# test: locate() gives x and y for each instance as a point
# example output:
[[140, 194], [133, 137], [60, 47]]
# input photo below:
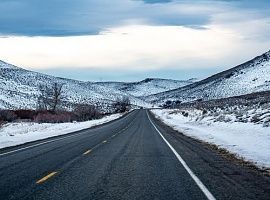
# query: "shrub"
[[86, 112], [1, 123], [121, 105], [26, 114], [204, 112], [255, 119], [7, 115], [185, 114], [48, 117]]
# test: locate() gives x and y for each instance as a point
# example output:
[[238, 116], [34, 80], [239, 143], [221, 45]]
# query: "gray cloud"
[[84, 17], [235, 29]]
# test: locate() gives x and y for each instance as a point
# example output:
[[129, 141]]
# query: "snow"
[[7, 65], [19, 89], [252, 76], [13, 134], [247, 140], [147, 86]]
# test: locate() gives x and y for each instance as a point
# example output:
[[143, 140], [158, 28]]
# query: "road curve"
[[134, 157]]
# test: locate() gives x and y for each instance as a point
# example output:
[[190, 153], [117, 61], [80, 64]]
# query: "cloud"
[[89, 17], [136, 47], [133, 35], [84, 17]]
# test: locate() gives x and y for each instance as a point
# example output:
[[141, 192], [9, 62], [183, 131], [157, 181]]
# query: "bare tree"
[[51, 97], [121, 105], [85, 112]]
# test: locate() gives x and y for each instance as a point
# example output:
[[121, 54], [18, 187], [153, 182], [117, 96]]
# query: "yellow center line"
[[46, 177], [87, 152]]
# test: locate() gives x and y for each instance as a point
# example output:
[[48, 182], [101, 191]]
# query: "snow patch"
[[13, 134], [247, 140]]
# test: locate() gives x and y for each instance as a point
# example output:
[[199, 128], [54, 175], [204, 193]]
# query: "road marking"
[[62, 138], [46, 178], [113, 135], [35, 145], [87, 152], [104, 141], [203, 188]]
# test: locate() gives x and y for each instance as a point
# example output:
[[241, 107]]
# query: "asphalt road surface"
[[134, 157]]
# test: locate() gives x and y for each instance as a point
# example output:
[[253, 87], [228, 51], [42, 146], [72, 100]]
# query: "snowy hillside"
[[147, 87], [252, 76], [19, 89]]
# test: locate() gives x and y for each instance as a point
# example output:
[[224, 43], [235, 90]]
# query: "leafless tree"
[[85, 112], [121, 105], [51, 97]]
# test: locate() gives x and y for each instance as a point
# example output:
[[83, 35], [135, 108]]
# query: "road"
[[134, 157]]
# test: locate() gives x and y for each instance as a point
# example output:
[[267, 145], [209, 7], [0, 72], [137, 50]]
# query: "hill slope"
[[147, 86], [252, 76], [19, 89]]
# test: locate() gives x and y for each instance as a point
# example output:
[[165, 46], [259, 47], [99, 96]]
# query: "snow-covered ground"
[[13, 134], [252, 76], [247, 140]]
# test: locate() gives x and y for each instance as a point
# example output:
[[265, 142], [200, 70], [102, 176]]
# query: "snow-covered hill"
[[252, 76], [147, 86], [19, 89]]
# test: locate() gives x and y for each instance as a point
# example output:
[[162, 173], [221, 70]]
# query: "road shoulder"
[[215, 169]]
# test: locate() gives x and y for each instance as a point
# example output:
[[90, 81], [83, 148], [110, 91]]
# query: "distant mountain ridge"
[[19, 89], [249, 77], [147, 86]]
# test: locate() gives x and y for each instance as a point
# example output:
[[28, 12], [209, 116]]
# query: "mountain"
[[4, 65], [147, 86], [19, 88], [252, 76]]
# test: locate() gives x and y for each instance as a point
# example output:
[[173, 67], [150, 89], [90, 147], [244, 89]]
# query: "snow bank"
[[248, 140], [13, 134]]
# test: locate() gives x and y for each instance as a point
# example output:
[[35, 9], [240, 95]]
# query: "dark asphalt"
[[124, 159]]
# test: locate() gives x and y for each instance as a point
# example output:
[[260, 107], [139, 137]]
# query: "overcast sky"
[[132, 39]]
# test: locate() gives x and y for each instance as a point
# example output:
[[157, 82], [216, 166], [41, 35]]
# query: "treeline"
[[51, 108]]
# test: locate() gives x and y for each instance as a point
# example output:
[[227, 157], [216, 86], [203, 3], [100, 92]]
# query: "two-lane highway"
[[135, 157]]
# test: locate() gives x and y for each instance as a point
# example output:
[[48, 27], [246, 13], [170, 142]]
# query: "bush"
[[185, 114], [7, 115], [26, 114], [1, 123], [121, 105], [81, 113], [204, 112], [255, 119], [86, 112], [48, 117]]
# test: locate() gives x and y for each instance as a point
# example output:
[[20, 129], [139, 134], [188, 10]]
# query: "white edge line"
[[203, 188], [62, 138], [35, 145]]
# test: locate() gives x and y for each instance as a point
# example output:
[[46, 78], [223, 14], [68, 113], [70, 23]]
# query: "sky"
[[129, 40]]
